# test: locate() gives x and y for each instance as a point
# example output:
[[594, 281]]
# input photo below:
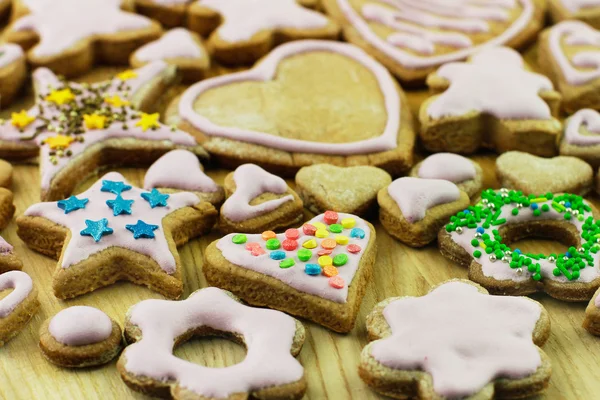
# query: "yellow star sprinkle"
[[59, 142], [94, 121], [116, 101], [21, 119], [125, 75], [60, 97], [148, 121]]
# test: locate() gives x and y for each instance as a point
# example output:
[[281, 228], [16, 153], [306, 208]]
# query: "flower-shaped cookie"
[[455, 342]]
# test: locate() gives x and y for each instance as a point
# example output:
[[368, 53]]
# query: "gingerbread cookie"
[[70, 36], [319, 272], [114, 231], [478, 238], [8, 259], [587, 11], [581, 136], [490, 347], [79, 337], [178, 47], [465, 173], [569, 54], [258, 201], [413, 38], [180, 170], [492, 101], [19, 306], [272, 339], [13, 71], [592, 315], [279, 114], [83, 127], [351, 190], [413, 209], [531, 174]]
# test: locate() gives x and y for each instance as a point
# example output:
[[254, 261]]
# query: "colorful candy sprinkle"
[[330, 217], [336, 228], [341, 239], [287, 263], [321, 233], [310, 244], [340, 259], [328, 244], [290, 244], [330, 270], [292, 234], [348, 223], [324, 252], [337, 282], [304, 254], [325, 260], [357, 233], [312, 269], [309, 229], [353, 248], [257, 251], [239, 239], [252, 245], [277, 255], [266, 235], [319, 225], [273, 244]]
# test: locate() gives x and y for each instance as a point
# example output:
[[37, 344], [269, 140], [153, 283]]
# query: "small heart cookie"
[[587, 11], [19, 306], [581, 136], [350, 190], [13, 70], [8, 259], [532, 174]]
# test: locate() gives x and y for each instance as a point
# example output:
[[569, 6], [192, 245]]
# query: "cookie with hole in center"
[[480, 240], [17, 307], [79, 337]]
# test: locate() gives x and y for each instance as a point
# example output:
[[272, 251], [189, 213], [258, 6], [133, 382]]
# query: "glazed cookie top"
[[21, 284], [268, 335], [179, 169], [579, 67], [113, 213], [243, 19], [320, 259], [250, 182], [80, 326], [415, 196], [433, 32], [485, 337], [488, 83], [9, 53], [583, 128], [447, 166], [476, 230], [176, 43], [266, 70], [61, 24]]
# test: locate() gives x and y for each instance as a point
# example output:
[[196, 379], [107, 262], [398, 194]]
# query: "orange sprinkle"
[[337, 282], [330, 270], [266, 235], [328, 244]]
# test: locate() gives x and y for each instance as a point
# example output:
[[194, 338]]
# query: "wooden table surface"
[[330, 359]]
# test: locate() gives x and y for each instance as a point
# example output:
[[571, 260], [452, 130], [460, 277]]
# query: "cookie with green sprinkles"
[[319, 271], [480, 236]]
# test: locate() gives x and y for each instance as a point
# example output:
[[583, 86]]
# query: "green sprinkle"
[[336, 228], [304, 254], [545, 208], [537, 212], [474, 242], [239, 238], [287, 263], [556, 272], [567, 216], [515, 211], [273, 244], [340, 260], [477, 254]]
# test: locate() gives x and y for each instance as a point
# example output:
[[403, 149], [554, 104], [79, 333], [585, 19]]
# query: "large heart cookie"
[[412, 38], [318, 272], [531, 174], [350, 190], [307, 102]]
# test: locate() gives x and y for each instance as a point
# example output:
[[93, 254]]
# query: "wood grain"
[[330, 359]]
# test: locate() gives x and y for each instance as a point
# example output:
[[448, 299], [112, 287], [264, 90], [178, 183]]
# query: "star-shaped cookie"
[[82, 127], [72, 34], [96, 246]]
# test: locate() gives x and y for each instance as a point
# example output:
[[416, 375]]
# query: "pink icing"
[[81, 247], [295, 276], [484, 338], [60, 24], [447, 166], [415, 196], [576, 33], [423, 21], [5, 247], [176, 43], [80, 326], [9, 53], [577, 5], [501, 271], [266, 70], [21, 284], [268, 335], [588, 118], [250, 182], [242, 19], [493, 82], [179, 169]]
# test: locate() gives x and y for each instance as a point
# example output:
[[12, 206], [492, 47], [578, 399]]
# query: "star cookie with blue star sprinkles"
[[80, 128], [115, 231]]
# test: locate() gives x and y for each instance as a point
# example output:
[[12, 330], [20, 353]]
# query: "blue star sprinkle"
[[142, 230], [119, 205], [116, 187], [96, 229], [72, 204], [155, 198]]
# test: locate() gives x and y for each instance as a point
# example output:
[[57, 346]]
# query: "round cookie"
[[79, 337], [465, 173]]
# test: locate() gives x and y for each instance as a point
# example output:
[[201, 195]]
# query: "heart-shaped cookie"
[[307, 102], [350, 190], [531, 174], [584, 10], [318, 272]]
